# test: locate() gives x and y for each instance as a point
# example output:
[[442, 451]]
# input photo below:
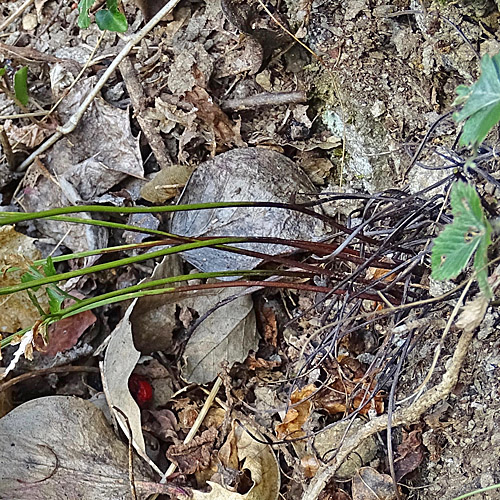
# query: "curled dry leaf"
[[59, 447], [224, 131], [297, 415], [166, 183], [196, 455], [119, 363], [257, 458], [368, 484], [410, 453], [473, 313]]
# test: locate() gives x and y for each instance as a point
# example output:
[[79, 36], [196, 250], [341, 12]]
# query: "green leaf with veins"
[[469, 232], [83, 13], [481, 110], [111, 19]]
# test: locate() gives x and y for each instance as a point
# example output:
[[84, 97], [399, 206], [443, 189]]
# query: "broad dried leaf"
[[246, 174], [225, 337], [368, 484], [119, 363], [59, 447], [260, 460], [17, 311]]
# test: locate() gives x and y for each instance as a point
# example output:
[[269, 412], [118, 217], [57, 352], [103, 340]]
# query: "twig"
[[47, 371], [406, 416], [264, 99], [198, 422], [75, 118], [138, 100]]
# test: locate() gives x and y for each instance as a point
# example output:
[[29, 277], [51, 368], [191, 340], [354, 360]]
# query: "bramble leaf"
[[470, 231], [21, 85], [481, 110]]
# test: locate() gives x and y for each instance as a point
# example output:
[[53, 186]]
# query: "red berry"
[[141, 390]]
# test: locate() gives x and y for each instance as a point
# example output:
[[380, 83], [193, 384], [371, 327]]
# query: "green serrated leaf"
[[469, 230], [21, 85], [111, 19], [56, 299], [481, 263], [48, 267], [83, 13], [31, 275], [482, 103]]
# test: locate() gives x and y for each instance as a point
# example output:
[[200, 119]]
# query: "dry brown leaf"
[[166, 184], [309, 465], [119, 363], [260, 460], [296, 417], [225, 337], [410, 453], [226, 133], [17, 311], [338, 397], [473, 313], [30, 135], [368, 484], [64, 334], [196, 455]]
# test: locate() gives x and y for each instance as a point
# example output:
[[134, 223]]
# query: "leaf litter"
[[191, 66]]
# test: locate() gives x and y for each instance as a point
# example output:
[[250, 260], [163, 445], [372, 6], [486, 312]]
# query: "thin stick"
[[47, 371], [264, 99], [73, 120], [198, 422]]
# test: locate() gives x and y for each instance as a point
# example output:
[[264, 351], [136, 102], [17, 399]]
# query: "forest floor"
[[350, 120]]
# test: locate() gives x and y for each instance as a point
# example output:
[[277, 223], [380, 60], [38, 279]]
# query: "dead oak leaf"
[[411, 453], [226, 133], [196, 455], [297, 415]]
